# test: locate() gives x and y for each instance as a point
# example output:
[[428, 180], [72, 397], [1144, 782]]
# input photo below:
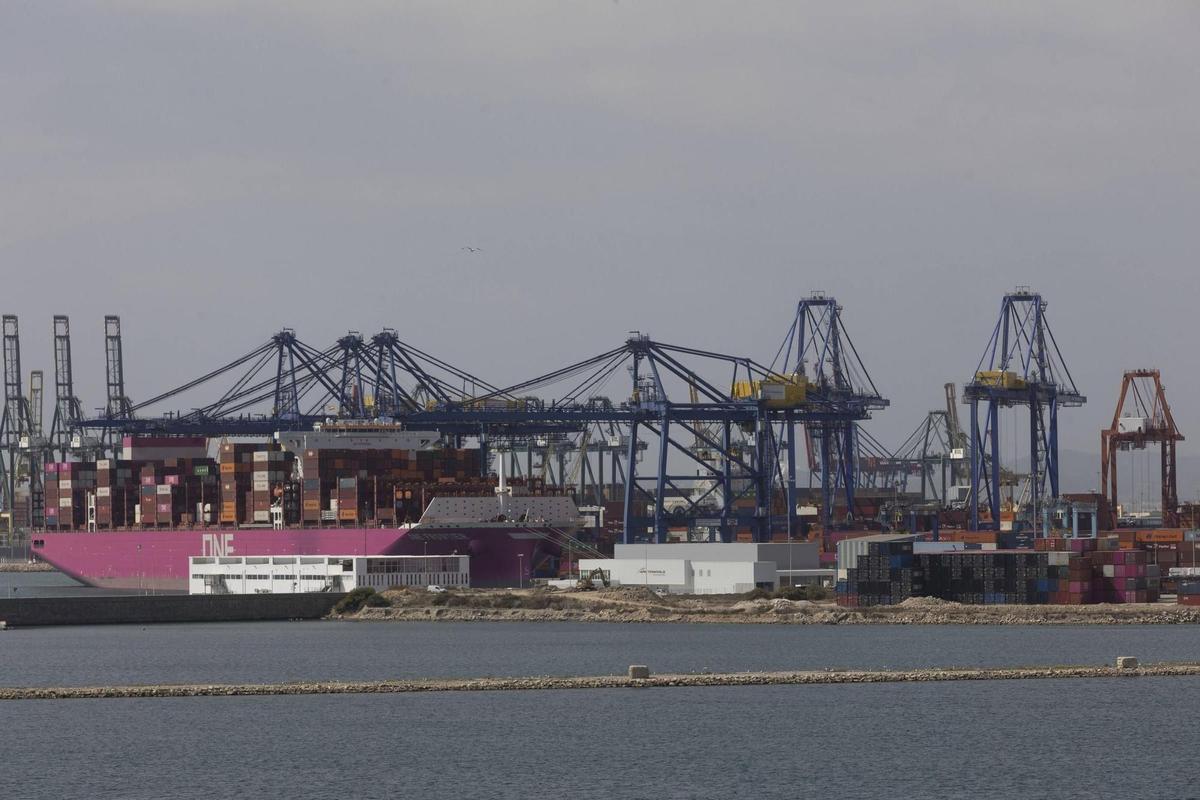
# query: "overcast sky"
[[213, 172]]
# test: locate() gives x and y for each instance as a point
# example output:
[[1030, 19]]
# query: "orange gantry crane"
[[1142, 418]]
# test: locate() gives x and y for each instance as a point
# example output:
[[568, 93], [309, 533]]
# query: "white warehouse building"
[[684, 576], [291, 574], [712, 567]]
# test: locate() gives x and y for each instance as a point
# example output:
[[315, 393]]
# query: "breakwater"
[[814, 677]]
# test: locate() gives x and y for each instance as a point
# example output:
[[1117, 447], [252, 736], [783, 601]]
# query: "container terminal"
[[374, 447]]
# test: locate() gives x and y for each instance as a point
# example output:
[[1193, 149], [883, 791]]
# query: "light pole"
[[521, 570]]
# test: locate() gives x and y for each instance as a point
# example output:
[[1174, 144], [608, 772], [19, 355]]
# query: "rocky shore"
[[597, 682], [642, 605]]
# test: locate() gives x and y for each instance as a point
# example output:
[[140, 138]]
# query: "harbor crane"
[[818, 355], [1021, 366], [1142, 417]]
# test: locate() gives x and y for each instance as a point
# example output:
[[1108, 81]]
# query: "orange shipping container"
[[1160, 535]]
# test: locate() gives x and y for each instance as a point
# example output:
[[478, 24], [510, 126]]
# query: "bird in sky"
[[473, 249]]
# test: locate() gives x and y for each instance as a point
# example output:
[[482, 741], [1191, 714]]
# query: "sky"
[[215, 171]]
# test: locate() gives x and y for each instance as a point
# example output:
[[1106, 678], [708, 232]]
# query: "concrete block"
[[1127, 662], [639, 672]]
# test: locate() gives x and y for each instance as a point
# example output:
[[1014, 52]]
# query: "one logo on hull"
[[218, 545]]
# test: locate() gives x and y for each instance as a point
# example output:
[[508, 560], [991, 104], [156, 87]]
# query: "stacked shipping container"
[[325, 486], [356, 486], [66, 487], [177, 491], [1063, 571], [1187, 593], [116, 493], [235, 462]]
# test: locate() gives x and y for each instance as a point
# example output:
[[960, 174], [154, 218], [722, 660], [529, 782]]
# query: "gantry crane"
[[1142, 417], [68, 412], [1020, 367], [817, 353], [19, 457]]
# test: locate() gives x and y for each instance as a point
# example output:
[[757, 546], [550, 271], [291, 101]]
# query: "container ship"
[[132, 522]]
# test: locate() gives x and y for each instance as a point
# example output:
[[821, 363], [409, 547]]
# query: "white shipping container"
[[262, 486], [163, 488], [261, 475], [104, 491], [262, 516], [65, 483], [64, 502], [104, 463]]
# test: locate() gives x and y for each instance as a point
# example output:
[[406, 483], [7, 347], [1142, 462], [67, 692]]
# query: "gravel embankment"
[[639, 605], [25, 566], [596, 682]]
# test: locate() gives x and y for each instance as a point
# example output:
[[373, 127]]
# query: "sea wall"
[[599, 682], [145, 609]]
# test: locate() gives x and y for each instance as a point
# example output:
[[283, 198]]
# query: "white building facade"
[[291, 574], [684, 576]]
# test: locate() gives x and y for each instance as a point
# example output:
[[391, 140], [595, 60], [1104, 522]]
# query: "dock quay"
[[21, 612]]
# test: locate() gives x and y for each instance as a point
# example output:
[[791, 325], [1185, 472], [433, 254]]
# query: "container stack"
[[1062, 571], [351, 487], [66, 486], [1123, 576], [50, 493], [884, 575], [116, 493], [172, 491], [236, 465], [889, 575], [272, 468], [347, 500], [1115, 575], [1187, 593]]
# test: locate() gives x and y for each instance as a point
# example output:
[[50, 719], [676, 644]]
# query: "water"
[[998, 739], [1031, 739], [332, 650]]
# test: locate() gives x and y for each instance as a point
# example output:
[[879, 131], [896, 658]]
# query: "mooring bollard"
[[639, 672], [1127, 662]]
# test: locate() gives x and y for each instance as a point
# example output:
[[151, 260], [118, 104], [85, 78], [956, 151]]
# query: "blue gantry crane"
[[721, 428], [1021, 366], [839, 394]]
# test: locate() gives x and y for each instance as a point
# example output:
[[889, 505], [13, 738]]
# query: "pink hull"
[[157, 560]]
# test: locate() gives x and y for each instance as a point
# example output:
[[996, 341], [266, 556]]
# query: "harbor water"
[[1060, 738], [986, 739]]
